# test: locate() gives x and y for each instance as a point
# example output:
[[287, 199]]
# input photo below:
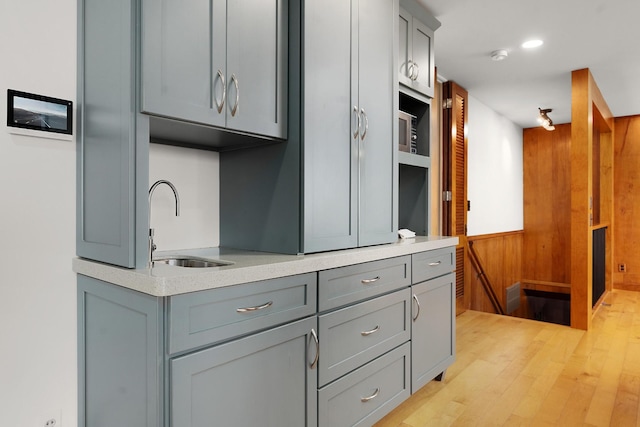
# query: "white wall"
[[196, 176], [495, 186], [37, 222]]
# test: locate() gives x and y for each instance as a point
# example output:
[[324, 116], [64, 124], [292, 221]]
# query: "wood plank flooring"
[[517, 372]]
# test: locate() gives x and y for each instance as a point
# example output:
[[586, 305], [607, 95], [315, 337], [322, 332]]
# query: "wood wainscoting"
[[500, 255]]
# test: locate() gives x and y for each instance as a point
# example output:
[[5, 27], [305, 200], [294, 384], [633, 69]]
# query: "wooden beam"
[[590, 116]]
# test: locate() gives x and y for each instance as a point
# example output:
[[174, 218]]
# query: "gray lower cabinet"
[[368, 393], [217, 63], [265, 379], [433, 330], [213, 357]]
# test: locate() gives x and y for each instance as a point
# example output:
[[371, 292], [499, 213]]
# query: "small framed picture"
[[39, 112]]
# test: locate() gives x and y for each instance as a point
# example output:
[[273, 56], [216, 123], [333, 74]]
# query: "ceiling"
[[602, 35]]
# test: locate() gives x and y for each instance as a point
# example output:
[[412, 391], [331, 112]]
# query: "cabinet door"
[[405, 47], [433, 342], [423, 58], [184, 59], [257, 47], [378, 102], [330, 154], [261, 380]]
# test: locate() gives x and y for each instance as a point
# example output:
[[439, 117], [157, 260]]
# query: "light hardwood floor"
[[517, 372]]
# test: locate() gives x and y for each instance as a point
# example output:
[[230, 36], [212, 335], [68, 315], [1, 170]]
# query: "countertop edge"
[[168, 281]]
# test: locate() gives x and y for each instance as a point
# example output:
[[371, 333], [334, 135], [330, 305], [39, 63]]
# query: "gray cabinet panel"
[[202, 318], [257, 57], [261, 380], [182, 42], [330, 151], [346, 285], [120, 364], [111, 166], [352, 336], [423, 57], [429, 264], [378, 98], [367, 394], [433, 343], [405, 47]]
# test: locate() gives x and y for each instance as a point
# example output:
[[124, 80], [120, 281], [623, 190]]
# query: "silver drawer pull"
[[415, 298], [314, 336], [435, 264], [373, 396], [367, 281], [255, 308], [372, 331]]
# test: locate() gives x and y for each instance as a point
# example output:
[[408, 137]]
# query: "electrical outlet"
[[50, 423], [622, 268]]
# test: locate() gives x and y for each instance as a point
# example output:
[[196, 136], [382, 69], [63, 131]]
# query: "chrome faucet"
[[152, 246]]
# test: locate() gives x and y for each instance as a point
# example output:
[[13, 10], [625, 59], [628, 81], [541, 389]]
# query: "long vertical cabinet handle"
[[220, 106], [234, 110], [356, 117], [365, 119], [314, 335], [415, 298]]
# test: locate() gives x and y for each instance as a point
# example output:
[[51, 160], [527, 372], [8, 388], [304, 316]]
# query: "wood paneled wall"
[[501, 258], [626, 232], [547, 205]]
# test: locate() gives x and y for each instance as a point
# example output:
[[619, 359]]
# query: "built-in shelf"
[[416, 160]]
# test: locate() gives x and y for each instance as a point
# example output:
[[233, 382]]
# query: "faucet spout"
[[152, 246]]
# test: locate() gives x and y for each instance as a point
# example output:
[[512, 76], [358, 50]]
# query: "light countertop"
[[164, 280]]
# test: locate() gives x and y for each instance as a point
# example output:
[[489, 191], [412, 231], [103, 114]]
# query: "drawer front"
[[202, 318], [430, 264], [346, 285], [352, 336], [367, 394]]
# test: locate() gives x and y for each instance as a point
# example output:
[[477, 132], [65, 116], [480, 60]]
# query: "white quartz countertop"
[[165, 280]]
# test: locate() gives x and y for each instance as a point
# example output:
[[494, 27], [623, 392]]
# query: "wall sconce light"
[[544, 119]]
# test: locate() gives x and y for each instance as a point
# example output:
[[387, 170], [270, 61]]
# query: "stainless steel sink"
[[190, 262]]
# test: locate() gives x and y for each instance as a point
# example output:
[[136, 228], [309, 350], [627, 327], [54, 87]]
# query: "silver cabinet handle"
[[234, 110], [415, 298], [314, 335], [220, 106], [410, 69], [367, 281], [417, 68], [435, 264], [372, 331], [357, 120], [255, 308], [366, 124], [373, 396]]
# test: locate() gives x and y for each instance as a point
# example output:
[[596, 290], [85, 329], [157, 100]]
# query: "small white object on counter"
[[405, 233]]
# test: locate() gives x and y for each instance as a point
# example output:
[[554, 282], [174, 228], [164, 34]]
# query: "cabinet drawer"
[[352, 336], [430, 264], [202, 318], [367, 394], [345, 285]]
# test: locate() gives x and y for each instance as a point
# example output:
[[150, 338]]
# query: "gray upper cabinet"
[[416, 48], [217, 63], [349, 102]]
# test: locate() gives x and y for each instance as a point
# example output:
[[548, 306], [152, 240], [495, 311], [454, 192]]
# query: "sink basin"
[[190, 262]]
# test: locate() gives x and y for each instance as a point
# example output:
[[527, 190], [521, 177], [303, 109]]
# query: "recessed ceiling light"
[[530, 44]]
